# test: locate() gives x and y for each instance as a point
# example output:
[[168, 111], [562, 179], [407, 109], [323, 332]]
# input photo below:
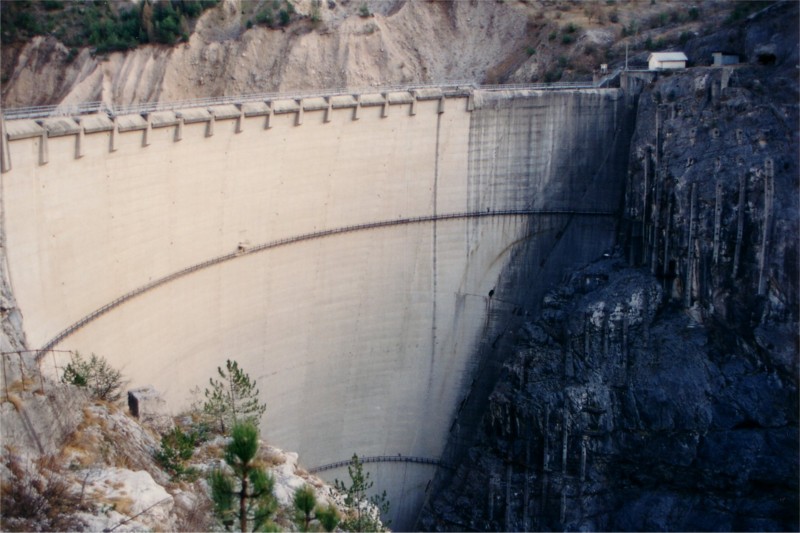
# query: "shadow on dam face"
[[378, 333]]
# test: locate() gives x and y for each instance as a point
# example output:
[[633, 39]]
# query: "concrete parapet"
[[398, 98], [58, 126], [192, 115], [131, 123], [255, 109], [428, 94], [225, 112], [95, 123], [342, 101], [314, 104], [162, 119], [22, 129], [285, 106], [372, 99]]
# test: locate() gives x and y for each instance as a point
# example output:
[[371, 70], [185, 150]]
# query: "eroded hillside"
[[239, 47]]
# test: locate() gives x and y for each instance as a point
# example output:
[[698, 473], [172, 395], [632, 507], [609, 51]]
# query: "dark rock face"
[[658, 390]]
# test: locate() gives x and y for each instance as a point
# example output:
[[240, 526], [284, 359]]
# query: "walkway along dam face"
[[360, 256]]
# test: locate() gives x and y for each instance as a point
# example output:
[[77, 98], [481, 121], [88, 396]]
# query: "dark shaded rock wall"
[[658, 389]]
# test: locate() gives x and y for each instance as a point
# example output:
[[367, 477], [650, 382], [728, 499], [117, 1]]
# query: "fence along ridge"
[[298, 238]]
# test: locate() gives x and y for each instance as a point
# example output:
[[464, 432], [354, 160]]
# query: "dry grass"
[[37, 498], [23, 385], [122, 504], [15, 401]]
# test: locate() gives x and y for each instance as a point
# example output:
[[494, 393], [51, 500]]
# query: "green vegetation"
[[631, 29], [101, 380], [316, 14], [553, 75], [233, 398], [107, 26], [277, 13], [328, 516], [742, 9], [247, 494], [363, 11], [304, 503], [360, 517], [177, 447], [306, 511]]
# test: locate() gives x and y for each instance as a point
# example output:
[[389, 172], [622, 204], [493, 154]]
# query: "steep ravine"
[[658, 389]]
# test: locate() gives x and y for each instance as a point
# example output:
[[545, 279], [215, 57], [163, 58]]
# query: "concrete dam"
[[358, 255]]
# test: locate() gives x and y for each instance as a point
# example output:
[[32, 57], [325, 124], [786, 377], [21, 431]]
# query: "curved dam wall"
[[356, 255]]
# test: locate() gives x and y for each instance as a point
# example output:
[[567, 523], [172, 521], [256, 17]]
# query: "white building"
[[666, 60]]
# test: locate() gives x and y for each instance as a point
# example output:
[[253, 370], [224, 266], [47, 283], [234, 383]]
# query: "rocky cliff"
[[659, 388]]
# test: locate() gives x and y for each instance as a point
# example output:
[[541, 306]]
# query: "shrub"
[[316, 15], [567, 38], [177, 447], [328, 517], [363, 11], [96, 375], [284, 17], [553, 75], [530, 50]]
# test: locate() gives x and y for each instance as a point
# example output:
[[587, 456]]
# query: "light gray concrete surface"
[[362, 342]]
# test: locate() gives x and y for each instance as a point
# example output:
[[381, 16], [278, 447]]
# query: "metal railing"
[[381, 459], [299, 238], [63, 110]]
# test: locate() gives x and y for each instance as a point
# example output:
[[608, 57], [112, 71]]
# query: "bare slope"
[[335, 46]]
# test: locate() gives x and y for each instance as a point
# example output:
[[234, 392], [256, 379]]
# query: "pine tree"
[[233, 398], [361, 515], [304, 502], [328, 516], [250, 486]]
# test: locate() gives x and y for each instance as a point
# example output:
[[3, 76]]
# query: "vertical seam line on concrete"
[[434, 244]]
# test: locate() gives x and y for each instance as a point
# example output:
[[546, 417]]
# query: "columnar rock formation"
[[658, 389]]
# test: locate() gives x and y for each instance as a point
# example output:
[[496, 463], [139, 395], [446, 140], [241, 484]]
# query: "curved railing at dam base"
[[119, 110], [380, 459], [243, 251]]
